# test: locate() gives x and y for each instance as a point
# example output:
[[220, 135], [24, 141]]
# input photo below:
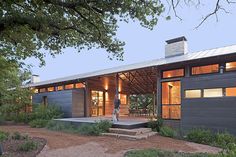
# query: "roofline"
[[129, 67]]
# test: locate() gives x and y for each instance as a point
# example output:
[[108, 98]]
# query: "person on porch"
[[116, 108]]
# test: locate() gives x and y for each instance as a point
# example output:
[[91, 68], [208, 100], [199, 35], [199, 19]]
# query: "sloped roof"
[[157, 62]]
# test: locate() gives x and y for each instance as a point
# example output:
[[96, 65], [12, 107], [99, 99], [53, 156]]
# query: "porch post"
[[117, 84]]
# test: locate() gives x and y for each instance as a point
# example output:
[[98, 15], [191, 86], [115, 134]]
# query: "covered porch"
[[137, 90]]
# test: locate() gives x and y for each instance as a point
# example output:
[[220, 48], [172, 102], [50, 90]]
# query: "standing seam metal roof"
[[157, 62]]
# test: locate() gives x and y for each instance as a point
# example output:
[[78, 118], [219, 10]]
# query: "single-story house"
[[191, 90]]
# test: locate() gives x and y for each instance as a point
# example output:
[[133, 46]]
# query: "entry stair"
[[130, 134]]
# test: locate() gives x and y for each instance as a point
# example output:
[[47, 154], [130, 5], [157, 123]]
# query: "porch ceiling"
[[141, 81]]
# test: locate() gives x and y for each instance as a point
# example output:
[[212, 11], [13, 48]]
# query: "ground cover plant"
[[84, 129], [17, 144]]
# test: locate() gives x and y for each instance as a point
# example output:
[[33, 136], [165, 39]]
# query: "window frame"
[[201, 94], [191, 67], [171, 104], [162, 72], [227, 71], [223, 93]]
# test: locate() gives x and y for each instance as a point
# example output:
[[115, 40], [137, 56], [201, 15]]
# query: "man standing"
[[116, 107]]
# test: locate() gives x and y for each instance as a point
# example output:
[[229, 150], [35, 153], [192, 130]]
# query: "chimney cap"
[[176, 40]]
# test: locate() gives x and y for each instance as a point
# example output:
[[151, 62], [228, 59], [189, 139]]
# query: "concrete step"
[[131, 137], [137, 131]]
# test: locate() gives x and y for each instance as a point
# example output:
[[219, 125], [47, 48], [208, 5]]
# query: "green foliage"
[[201, 136], [155, 124], [53, 26], [167, 131], [3, 136], [46, 112], [141, 101], [207, 137], [16, 136], [2, 119], [84, 129], [89, 129], [104, 125], [28, 145], [162, 153], [38, 123]]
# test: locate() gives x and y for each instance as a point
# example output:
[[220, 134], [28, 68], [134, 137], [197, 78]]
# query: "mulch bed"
[[10, 147]]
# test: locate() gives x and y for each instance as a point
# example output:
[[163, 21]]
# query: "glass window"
[[79, 85], [123, 98], [69, 86], [41, 90], [59, 88], [171, 93], [50, 89], [230, 66], [206, 69], [171, 111], [171, 100], [216, 92], [35, 90], [196, 93], [173, 73], [230, 91]]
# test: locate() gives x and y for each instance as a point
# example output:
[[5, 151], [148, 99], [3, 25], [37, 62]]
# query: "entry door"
[[97, 104], [171, 100]]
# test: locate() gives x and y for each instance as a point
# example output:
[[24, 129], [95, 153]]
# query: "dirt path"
[[63, 144]]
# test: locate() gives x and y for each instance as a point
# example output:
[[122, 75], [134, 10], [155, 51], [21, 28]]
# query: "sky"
[[143, 44]]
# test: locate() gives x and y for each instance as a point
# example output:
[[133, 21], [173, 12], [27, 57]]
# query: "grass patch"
[[162, 153]]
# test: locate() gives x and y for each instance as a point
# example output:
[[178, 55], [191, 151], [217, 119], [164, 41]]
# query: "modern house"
[[191, 90]]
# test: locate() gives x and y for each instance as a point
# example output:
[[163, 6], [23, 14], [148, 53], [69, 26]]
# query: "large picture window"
[[206, 69], [171, 100], [173, 73], [231, 66]]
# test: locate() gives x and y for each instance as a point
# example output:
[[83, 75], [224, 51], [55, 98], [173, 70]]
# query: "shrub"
[[3, 136], [2, 120], [16, 136], [224, 139], [22, 117], [156, 124], [28, 145], [89, 129], [201, 136], [167, 131], [46, 112], [104, 125], [38, 123]]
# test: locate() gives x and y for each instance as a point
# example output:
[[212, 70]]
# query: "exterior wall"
[[67, 100], [78, 103], [218, 114]]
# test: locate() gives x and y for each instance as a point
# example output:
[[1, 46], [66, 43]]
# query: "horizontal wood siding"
[[218, 114], [63, 99]]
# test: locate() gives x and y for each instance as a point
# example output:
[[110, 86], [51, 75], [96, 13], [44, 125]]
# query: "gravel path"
[[68, 145]]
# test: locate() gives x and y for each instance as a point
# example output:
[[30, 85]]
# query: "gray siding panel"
[[218, 114], [63, 99]]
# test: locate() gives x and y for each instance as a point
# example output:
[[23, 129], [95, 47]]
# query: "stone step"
[[137, 131], [131, 137]]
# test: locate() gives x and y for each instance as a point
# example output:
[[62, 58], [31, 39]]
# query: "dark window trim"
[[193, 98], [170, 70], [191, 73], [170, 104]]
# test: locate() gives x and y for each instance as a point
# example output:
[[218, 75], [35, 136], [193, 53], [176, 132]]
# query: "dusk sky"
[[143, 44]]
